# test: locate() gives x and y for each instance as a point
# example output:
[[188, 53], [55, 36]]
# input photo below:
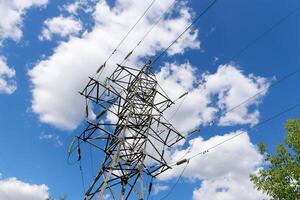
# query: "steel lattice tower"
[[134, 141]]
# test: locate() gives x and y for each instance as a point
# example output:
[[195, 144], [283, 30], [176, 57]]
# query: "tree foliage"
[[280, 179]]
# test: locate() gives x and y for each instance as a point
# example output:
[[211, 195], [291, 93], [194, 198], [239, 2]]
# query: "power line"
[[149, 31], [5, 195], [281, 20], [262, 91], [259, 124], [252, 97], [251, 44], [255, 95], [82, 175], [125, 37], [136, 117], [186, 160], [80, 165], [92, 160], [244, 102], [167, 50], [179, 106], [177, 181], [101, 68], [186, 29], [131, 29]]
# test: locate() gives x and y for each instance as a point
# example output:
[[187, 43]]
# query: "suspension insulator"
[[78, 153]]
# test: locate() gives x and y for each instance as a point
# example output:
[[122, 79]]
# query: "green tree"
[[280, 179]]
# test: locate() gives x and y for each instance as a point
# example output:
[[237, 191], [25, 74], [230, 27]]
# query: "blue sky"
[[33, 149]]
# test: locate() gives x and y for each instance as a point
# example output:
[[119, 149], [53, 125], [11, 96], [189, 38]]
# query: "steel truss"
[[135, 138]]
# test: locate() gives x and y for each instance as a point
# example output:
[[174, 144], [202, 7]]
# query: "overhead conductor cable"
[[100, 69], [186, 29], [278, 81], [263, 122], [149, 31]]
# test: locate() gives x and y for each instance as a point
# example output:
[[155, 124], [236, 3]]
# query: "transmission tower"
[[134, 141]]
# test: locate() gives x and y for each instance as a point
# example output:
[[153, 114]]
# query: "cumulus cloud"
[[178, 79], [11, 22], [228, 188], [66, 71], [211, 95], [232, 88], [14, 189], [7, 83], [229, 157], [60, 26], [57, 79], [224, 171], [80, 5], [11, 16]]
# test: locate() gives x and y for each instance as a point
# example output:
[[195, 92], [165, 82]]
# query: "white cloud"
[[228, 188], [227, 158], [57, 79], [211, 94], [157, 188], [72, 8], [7, 84], [11, 22], [14, 189], [80, 5], [54, 138], [11, 16], [233, 88], [178, 79], [60, 26], [223, 171]]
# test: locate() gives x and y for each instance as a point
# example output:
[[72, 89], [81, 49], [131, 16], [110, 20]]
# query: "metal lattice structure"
[[135, 138]]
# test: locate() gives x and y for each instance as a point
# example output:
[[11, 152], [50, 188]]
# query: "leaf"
[[280, 178], [262, 148]]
